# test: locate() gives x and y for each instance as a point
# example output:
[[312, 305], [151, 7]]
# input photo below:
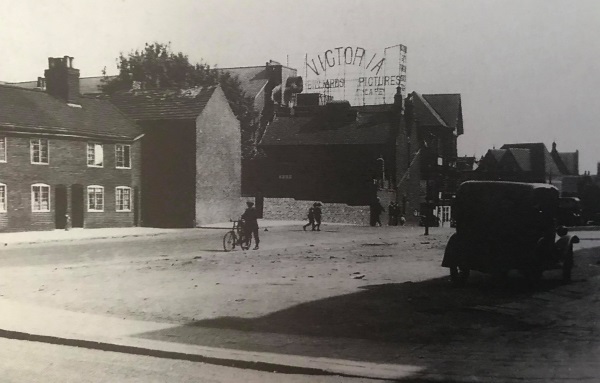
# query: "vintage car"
[[503, 226]]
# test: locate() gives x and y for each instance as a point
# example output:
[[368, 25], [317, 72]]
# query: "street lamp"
[[382, 170]]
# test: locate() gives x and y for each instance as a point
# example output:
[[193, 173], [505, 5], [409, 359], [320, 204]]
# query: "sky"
[[526, 69]]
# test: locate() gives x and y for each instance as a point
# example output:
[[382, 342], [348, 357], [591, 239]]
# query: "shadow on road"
[[388, 323]]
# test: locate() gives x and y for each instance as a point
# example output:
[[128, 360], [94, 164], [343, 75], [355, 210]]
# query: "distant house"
[[430, 156], [62, 155], [530, 162], [191, 155]]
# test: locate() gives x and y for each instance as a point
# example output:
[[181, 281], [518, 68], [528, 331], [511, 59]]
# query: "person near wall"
[[401, 220], [250, 218], [375, 212], [318, 215], [311, 218], [393, 212]]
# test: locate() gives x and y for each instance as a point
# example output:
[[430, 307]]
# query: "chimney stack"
[[62, 80], [398, 100]]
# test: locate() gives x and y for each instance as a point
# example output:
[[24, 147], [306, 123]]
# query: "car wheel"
[[459, 275]]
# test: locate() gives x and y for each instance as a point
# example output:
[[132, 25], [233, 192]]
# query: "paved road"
[[369, 294]]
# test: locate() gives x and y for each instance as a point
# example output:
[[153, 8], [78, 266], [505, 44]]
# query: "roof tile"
[[163, 104], [36, 109]]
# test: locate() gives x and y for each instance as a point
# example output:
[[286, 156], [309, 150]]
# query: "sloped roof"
[[522, 158], [424, 112], [163, 104], [447, 106], [36, 110], [439, 110], [541, 159], [569, 161], [551, 166], [316, 129], [497, 154]]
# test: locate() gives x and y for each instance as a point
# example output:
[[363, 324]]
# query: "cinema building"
[[346, 156]]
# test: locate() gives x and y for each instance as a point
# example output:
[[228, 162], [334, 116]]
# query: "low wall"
[[291, 209]]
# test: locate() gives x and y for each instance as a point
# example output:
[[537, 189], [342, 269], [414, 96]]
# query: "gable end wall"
[[218, 163]]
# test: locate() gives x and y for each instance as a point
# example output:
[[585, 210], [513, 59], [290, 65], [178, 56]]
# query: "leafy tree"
[[158, 67]]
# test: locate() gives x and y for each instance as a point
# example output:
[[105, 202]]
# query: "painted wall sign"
[[356, 74]]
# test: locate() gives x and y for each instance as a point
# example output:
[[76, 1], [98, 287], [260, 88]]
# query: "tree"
[[158, 67]]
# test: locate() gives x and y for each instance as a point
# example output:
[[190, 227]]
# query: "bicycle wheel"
[[229, 241]]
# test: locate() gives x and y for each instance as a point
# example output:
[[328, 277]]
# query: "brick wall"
[[291, 209], [67, 166]]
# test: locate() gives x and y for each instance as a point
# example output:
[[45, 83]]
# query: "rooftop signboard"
[[360, 75]]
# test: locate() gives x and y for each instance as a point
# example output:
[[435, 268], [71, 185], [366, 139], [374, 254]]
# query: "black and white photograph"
[[266, 191]]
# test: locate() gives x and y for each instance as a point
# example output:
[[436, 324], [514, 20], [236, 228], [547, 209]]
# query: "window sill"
[[95, 211], [121, 167], [95, 166], [123, 211], [40, 163]]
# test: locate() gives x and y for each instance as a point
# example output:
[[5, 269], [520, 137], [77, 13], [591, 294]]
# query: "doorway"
[[60, 206], [77, 205]]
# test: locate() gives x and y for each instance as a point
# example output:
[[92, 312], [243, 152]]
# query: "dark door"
[[77, 205], [60, 206], [260, 204]]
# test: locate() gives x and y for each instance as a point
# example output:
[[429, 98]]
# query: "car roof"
[[505, 185]]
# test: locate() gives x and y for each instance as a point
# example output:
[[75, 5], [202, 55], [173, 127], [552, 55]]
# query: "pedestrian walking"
[[318, 215], [375, 212], [311, 218], [391, 213], [250, 218]]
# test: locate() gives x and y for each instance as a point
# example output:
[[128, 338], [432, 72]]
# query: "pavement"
[[61, 327], [77, 234]]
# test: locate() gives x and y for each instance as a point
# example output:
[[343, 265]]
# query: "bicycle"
[[236, 237]]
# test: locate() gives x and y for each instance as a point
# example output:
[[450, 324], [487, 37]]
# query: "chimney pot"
[[62, 80]]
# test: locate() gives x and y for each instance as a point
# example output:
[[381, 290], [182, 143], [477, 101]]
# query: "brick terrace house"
[[257, 82], [191, 155], [61, 153]]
